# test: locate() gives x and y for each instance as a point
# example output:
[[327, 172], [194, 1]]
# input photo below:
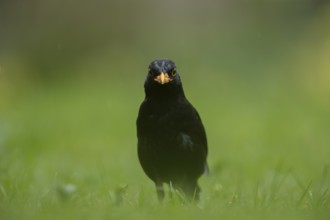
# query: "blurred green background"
[[71, 82]]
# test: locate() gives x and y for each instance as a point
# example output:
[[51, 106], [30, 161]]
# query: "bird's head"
[[162, 71], [163, 78]]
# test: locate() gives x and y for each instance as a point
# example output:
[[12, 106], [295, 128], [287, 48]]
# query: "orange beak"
[[163, 78]]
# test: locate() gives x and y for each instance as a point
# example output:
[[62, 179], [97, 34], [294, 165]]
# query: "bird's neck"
[[164, 93]]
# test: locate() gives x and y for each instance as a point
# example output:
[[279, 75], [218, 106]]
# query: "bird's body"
[[172, 146]]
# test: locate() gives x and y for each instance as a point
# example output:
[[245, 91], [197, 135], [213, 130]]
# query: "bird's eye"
[[150, 72], [173, 73]]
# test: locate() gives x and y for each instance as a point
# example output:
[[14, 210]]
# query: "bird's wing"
[[191, 137], [193, 126]]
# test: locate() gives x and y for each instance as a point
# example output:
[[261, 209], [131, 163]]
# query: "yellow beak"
[[163, 78]]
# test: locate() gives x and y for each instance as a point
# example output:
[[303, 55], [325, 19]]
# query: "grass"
[[68, 151]]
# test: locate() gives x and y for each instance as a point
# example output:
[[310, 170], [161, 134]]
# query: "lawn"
[[68, 151]]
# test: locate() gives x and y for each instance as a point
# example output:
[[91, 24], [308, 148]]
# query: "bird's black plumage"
[[172, 145]]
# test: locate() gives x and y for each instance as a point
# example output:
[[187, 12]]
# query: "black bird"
[[172, 145]]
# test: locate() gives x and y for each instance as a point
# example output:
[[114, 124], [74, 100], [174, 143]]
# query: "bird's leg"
[[191, 190], [171, 189], [160, 191], [197, 191]]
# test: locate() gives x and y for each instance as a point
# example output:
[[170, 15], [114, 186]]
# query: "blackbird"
[[172, 145]]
